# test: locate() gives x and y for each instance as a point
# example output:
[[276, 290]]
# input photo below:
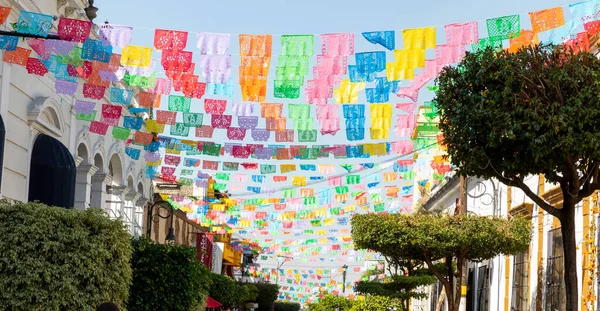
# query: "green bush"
[[286, 306], [167, 278], [267, 294], [226, 291], [53, 258], [377, 303], [332, 303]]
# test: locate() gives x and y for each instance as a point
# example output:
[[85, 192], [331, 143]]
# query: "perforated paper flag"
[[179, 103], [98, 128], [115, 35], [138, 56], [505, 27], [419, 38], [385, 38], [120, 133], [73, 29], [255, 58], [293, 65], [462, 33], [547, 19], [212, 43], [34, 23], [180, 129], [170, 40]]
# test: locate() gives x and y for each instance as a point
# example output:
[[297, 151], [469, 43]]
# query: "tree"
[[287, 306], [267, 294], [52, 258], [167, 277], [226, 291], [401, 286], [377, 303], [537, 111], [433, 237], [330, 303]]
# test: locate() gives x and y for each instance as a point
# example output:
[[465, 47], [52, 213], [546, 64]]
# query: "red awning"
[[211, 303]]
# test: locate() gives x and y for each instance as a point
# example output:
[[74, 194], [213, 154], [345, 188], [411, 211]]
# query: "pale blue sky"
[[308, 16], [305, 17]]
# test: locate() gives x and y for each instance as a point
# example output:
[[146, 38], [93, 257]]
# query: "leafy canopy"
[[435, 236], [377, 303], [53, 258], [330, 303], [536, 111], [167, 277], [286, 306]]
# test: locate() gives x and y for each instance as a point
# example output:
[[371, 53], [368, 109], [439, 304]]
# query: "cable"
[[339, 175]]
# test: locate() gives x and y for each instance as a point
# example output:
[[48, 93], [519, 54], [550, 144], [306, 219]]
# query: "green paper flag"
[[503, 28], [230, 166], [211, 149], [179, 103], [486, 42], [353, 179], [89, 117], [120, 133], [379, 207], [308, 136], [192, 119], [186, 172], [180, 129], [222, 176], [268, 169], [219, 186]]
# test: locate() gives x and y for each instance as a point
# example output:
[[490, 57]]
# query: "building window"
[[483, 288], [520, 287], [555, 282]]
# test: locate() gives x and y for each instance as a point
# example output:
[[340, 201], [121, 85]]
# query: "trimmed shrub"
[[286, 306], [267, 294], [167, 278], [52, 258]]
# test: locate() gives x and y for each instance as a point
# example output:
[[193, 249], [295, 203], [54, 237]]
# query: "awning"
[[52, 173], [211, 303]]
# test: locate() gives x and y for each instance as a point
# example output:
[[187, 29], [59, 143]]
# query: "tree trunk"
[[567, 228]]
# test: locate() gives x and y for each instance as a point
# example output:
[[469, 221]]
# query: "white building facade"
[[42, 132]]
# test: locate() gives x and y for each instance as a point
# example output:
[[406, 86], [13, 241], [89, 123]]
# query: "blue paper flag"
[[133, 153], [34, 23], [132, 123], [386, 38], [8, 43]]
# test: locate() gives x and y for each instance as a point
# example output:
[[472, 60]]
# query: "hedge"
[[286, 306], [167, 278], [53, 258]]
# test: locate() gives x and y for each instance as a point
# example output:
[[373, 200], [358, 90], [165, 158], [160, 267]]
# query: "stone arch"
[[98, 162], [130, 182], [82, 152], [140, 189], [115, 169], [45, 113]]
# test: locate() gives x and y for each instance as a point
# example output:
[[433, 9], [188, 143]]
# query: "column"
[[83, 185], [98, 197], [115, 203], [130, 199], [139, 215]]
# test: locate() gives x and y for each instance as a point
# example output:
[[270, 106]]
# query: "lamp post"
[[280, 265], [345, 267], [155, 218]]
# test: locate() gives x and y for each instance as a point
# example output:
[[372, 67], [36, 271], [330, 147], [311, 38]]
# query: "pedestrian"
[[108, 306]]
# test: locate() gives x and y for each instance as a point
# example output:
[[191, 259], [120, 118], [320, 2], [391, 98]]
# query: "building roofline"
[[452, 182]]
